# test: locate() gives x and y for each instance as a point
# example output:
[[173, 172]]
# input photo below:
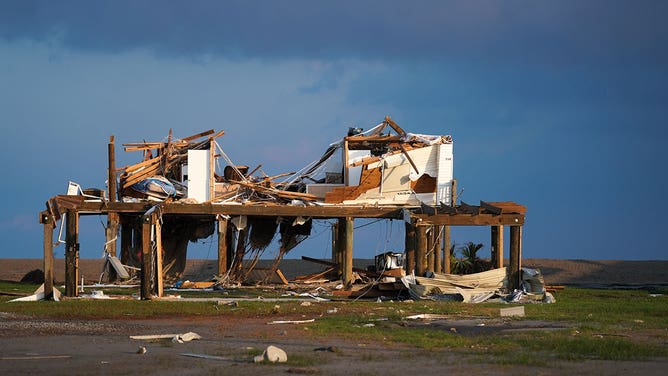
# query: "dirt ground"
[[103, 347], [82, 347], [556, 272]]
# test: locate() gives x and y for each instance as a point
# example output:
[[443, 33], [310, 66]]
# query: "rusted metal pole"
[[409, 248], [71, 253], [46, 219], [515, 262], [421, 250]]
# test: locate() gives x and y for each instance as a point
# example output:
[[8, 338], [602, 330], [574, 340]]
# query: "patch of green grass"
[[590, 346], [17, 288], [604, 324]]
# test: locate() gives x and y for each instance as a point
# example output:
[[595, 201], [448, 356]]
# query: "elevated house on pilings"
[[187, 189]]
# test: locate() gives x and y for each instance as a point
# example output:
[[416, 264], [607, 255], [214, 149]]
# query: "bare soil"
[[73, 347], [556, 272]]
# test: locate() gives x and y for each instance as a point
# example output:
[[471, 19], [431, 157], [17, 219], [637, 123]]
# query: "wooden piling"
[[347, 256], [47, 221], [438, 255], [515, 262], [71, 253], [447, 268], [340, 245], [155, 220], [409, 247], [421, 250], [147, 264], [111, 176], [431, 254], [497, 247], [222, 246], [335, 234]]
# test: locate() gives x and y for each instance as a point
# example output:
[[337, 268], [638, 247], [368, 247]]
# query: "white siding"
[[198, 175], [445, 174]]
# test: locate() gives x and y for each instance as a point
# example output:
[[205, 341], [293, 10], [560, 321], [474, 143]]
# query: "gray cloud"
[[515, 31]]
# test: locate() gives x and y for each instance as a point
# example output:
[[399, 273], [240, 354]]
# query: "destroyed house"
[[189, 188]]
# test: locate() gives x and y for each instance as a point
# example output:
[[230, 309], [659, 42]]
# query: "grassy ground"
[[584, 324]]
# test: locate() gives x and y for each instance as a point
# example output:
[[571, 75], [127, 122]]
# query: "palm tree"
[[470, 254], [469, 262]]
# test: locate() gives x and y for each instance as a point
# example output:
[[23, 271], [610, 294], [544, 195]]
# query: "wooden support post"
[[431, 256], [212, 168], [438, 255], [346, 178], [421, 251], [158, 255], [447, 268], [515, 262], [340, 245], [335, 234], [147, 264], [111, 235], [409, 248], [111, 182], [222, 246], [497, 247], [347, 270], [71, 253], [46, 219]]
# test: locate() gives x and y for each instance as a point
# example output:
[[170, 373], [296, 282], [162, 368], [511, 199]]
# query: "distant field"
[[556, 272]]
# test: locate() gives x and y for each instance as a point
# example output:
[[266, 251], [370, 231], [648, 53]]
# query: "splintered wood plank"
[[132, 168], [196, 136], [365, 161], [410, 160], [370, 179], [266, 275], [395, 126], [357, 139], [277, 192], [141, 175]]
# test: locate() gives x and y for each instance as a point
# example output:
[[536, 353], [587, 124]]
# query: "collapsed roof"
[[383, 166]]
